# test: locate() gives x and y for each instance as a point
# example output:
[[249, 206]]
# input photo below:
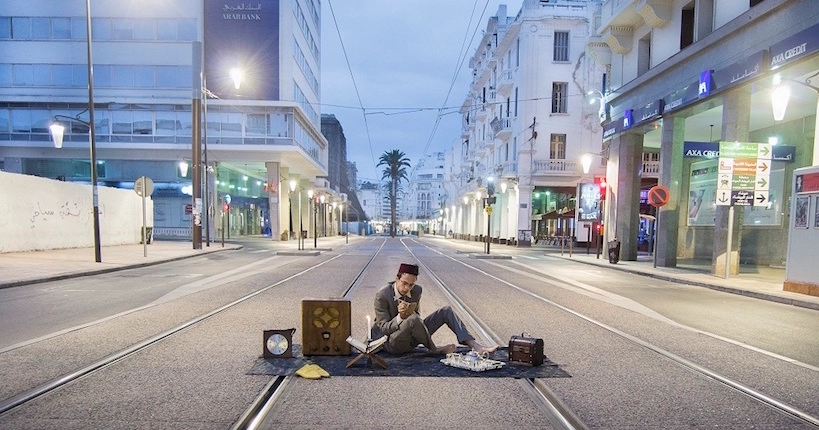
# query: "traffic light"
[[600, 181], [225, 207]]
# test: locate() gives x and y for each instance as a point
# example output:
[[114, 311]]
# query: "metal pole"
[[92, 137], [196, 146], [144, 218], [730, 239], [301, 239], [208, 201], [315, 225]]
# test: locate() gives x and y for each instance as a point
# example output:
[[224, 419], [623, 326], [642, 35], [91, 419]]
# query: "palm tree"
[[396, 163]]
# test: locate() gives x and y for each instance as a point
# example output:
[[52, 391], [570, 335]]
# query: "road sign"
[[144, 186], [744, 174], [658, 196], [188, 209]]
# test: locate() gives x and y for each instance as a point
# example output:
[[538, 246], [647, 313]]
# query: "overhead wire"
[[459, 64], [352, 77]]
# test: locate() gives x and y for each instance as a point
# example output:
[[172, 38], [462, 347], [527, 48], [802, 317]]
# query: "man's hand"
[[404, 309]]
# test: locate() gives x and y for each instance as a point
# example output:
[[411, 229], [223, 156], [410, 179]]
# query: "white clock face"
[[277, 344]]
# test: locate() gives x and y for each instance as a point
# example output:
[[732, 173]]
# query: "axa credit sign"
[[711, 150]]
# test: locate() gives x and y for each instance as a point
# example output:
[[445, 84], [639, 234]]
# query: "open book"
[[367, 348]]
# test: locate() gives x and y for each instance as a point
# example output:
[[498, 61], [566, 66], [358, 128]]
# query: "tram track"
[[558, 414], [65, 379], [548, 402], [739, 387]]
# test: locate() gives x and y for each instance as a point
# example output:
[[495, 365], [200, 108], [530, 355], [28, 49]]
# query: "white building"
[[527, 121], [425, 196], [147, 61], [687, 75]]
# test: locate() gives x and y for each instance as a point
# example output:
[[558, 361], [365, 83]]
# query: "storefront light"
[[779, 98]]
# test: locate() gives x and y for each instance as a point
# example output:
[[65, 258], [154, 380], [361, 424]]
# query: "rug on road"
[[418, 363]]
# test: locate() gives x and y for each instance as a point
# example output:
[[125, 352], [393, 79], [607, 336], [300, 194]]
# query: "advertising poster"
[[800, 219], [816, 213], [702, 193]]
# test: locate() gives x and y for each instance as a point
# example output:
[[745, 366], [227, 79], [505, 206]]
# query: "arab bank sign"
[[244, 35]]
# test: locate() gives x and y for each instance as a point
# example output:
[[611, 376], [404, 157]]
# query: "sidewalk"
[[762, 282], [22, 268]]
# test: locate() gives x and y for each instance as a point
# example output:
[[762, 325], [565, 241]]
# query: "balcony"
[[482, 112], [651, 169], [502, 128], [505, 83], [556, 167]]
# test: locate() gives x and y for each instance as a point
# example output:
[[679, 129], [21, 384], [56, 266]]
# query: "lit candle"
[[369, 328]]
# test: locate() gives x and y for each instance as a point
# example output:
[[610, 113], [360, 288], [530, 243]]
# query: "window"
[[561, 48], [559, 97], [557, 147], [687, 21], [644, 54]]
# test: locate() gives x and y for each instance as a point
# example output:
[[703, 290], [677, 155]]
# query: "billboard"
[[243, 35]]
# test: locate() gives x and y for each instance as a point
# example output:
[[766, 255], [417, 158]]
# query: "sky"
[[403, 57]]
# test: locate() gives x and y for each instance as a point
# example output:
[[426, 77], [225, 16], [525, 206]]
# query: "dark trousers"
[[414, 331]]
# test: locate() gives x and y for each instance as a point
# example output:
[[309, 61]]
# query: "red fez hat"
[[412, 269]]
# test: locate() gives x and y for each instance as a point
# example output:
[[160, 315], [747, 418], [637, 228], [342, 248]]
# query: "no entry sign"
[[658, 196]]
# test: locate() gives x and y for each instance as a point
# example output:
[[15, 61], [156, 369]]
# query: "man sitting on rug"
[[397, 315]]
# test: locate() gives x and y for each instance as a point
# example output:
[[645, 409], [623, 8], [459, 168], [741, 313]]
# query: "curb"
[[738, 291], [93, 272]]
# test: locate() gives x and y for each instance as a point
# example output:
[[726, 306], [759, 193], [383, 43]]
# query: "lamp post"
[[322, 198], [57, 133], [58, 129], [315, 208], [333, 219], [598, 96], [293, 190]]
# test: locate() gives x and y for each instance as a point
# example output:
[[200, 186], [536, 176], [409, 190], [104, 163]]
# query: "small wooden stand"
[[370, 357]]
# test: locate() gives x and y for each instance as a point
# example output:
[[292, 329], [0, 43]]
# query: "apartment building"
[[526, 122], [154, 65]]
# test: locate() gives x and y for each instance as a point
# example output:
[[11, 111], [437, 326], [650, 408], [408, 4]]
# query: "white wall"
[[802, 267], [38, 213]]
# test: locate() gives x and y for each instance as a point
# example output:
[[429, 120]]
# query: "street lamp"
[[91, 132], [598, 97], [333, 218], [293, 190], [315, 209], [322, 198], [57, 133]]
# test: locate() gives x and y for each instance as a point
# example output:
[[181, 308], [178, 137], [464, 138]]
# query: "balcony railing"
[[505, 83], [556, 167], [651, 169]]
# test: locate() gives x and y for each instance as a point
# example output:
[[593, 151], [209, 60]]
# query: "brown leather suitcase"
[[325, 326], [526, 350]]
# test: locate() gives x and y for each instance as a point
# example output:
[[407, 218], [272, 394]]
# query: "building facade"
[[526, 122], [152, 68], [689, 79]]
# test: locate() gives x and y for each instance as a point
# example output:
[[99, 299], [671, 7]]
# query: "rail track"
[[437, 266]]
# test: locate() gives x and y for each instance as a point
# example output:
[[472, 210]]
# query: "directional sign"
[[744, 174]]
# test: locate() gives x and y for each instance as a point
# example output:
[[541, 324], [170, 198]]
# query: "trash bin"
[[614, 251]]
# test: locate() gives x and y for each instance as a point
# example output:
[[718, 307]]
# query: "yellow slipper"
[[323, 373], [308, 372]]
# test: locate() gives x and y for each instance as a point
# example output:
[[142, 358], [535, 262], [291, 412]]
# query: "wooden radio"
[[526, 350], [325, 326]]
